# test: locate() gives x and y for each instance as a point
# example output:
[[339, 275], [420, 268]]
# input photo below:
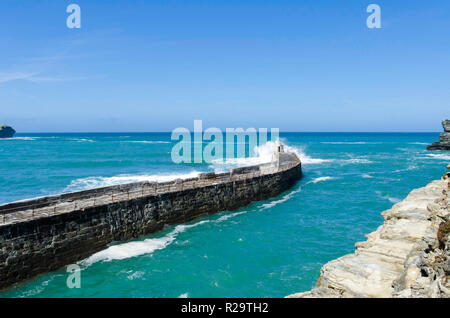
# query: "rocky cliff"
[[407, 256], [6, 131], [444, 140]]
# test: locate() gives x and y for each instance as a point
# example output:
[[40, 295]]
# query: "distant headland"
[[6, 131], [444, 140]]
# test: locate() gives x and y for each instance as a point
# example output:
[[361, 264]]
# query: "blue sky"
[[157, 65]]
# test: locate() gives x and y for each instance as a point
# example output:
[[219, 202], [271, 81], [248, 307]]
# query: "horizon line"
[[161, 132]]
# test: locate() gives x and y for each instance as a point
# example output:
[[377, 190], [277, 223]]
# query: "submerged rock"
[[6, 131], [444, 139]]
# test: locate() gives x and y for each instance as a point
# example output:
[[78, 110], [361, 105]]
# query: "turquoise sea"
[[268, 249]]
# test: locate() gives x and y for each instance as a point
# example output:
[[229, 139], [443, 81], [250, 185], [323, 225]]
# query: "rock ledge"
[[407, 256], [444, 139]]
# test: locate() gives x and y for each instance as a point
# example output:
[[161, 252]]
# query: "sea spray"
[[97, 182], [263, 154]]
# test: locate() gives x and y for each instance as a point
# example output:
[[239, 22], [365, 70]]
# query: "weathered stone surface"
[[45, 242], [444, 139], [6, 131], [446, 125], [405, 257]]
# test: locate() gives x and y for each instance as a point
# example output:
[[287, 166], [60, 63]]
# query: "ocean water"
[[270, 248]]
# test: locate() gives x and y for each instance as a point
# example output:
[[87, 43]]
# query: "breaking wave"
[[305, 159], [441, 156], [263, 154], [137, 248], [98, 182]]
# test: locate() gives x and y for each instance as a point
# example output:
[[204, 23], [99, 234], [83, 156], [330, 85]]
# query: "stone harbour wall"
[[41, 244]]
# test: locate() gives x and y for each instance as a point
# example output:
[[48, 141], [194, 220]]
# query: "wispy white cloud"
[[40, 79], [35, 78], [13, 76]]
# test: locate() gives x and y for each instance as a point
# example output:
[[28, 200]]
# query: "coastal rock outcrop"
[[444, 139], [407, 256], [6, 131]]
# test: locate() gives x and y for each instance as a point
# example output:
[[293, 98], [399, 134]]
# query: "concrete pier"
[[47, 233]]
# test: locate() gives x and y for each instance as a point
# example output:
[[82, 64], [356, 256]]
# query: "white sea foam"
[[229, 215], [392, 200], [137, 248], [20, 138], [82, 140], [366, 176], [418, 143], [409, 168], [49, 137], [441, 156], [276, 202], [98, 182], [349, 142], [262, 207], [136, 275], [185, 295], [39, 288], [30, 138], [147, 141], [356, 160], [320, 179], [386, 197], [263, 154], [304, 158]]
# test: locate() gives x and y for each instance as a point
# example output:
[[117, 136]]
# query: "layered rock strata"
[[444, 139], [407, 256]]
